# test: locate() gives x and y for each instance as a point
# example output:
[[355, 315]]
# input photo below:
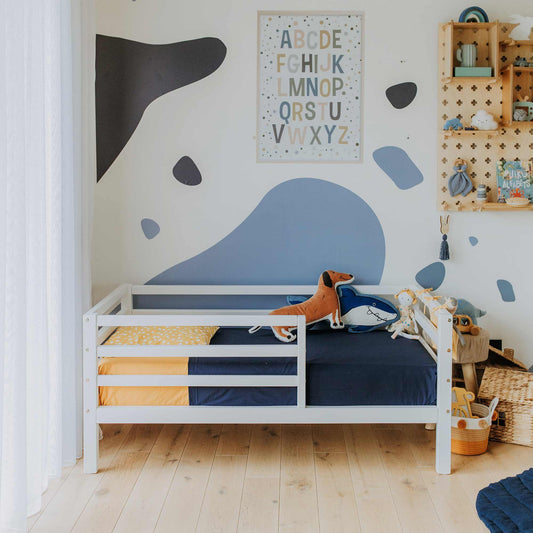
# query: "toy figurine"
[[406, 326]]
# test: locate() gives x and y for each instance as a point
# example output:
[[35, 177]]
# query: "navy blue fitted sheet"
[[342, 369]]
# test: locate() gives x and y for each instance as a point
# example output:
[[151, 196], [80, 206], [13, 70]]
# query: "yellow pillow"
[[181, 335]]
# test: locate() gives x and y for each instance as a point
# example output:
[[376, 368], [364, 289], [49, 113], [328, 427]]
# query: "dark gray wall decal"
[[186, 172], [130, 75], [150, 228], [401, 95]]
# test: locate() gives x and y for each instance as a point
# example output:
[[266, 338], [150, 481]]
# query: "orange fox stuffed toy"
[[323, 305]]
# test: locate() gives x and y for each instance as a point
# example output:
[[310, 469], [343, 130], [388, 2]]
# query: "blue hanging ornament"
[[444, 247]]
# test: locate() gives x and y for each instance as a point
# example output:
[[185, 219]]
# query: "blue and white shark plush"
[[360, 312]]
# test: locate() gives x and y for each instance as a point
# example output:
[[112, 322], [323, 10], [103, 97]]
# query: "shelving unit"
[[486, 37], [463, 97], [517, 82]]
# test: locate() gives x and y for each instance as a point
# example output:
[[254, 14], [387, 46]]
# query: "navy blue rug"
[[507, 505]]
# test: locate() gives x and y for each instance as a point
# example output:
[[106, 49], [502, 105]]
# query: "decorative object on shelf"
[[444, 248], [483, 120], [453, 124], [406, 326], [521, 62], [460, 182], [523, 106], [467, 55], [515, 181], [519, 113], [473, 14], [481, 196], [522, 32]]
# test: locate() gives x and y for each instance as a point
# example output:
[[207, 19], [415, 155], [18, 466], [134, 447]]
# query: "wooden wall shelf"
[[463, 97], [484, 34]]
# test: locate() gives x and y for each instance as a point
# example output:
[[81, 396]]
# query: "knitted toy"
[[460, 183], [483, 120], [323, 305], [406, 326]]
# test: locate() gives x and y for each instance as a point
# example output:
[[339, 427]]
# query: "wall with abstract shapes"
[[181, 199]]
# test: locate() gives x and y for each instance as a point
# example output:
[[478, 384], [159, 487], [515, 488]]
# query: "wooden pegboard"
[[462, 98]]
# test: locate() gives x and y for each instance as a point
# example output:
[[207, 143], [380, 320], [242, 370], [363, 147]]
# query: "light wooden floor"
[[212, 478]]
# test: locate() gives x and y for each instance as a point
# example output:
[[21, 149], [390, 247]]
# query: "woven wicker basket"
[[470, 436], [515, 410]]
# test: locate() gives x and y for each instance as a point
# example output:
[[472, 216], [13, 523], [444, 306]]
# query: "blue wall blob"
[[150, 228], [398, 166], [300, 228], [473, 240], [186, 171], [506, 290], [130, 75], [402, 94], [432, 276]]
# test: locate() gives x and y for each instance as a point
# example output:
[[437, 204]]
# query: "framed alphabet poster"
[[309, 86]]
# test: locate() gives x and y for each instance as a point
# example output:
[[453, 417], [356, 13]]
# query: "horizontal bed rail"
[[219, 380], [198, 320], [209, 350]]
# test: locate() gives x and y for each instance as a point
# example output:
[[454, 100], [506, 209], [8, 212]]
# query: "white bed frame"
[[103, 318]]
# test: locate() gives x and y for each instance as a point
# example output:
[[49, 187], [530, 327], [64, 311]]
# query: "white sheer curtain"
[[40, 253]]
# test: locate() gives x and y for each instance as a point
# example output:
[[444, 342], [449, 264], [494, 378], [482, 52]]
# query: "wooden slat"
[[212, 350], [141, 511], [376, 509], [259, 505], [328, 438], [234, 439], [265, 451], [62, 512], [106, 503], [220, 380], [336, 502], [222, 501], [413, 504], [184, 499], [298, 498]]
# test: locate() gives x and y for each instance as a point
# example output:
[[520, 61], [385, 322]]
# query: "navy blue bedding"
[[342, 369]]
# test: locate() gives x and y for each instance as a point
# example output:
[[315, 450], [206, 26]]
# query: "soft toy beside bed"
[[324, 305]]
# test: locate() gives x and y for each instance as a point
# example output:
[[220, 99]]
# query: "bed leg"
[[443, 448], [90, 395], [90, 443]]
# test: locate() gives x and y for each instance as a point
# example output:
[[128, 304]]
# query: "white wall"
[[213, 121]]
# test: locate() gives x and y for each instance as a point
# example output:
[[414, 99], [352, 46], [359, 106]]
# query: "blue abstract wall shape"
[[473, 240], [431, 276], [186, 171], [300, 228], [506, 290], [130, 75], [150, 228], [398, 166], [402, 94]]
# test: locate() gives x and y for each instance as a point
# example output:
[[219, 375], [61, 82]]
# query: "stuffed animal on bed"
[[406, 326], [323, 305]]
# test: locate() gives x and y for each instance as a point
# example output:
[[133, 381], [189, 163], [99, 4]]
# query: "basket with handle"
[[470, 436]]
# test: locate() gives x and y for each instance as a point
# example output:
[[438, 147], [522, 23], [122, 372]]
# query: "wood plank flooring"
[[258, 478]]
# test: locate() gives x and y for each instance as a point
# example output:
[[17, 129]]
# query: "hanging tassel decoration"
[[444, 247]]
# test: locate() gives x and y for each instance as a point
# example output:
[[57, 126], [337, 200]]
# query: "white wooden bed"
[[103, 318]]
